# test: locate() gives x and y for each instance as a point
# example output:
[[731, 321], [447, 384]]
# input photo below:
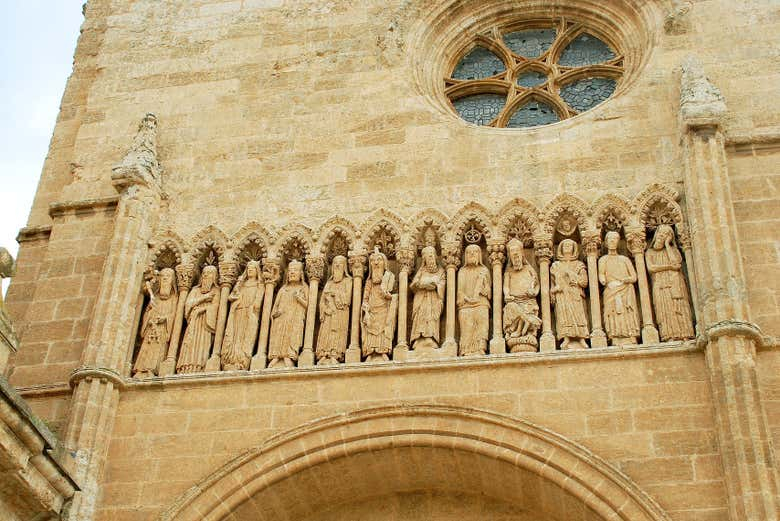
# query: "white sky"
[[37, 40]]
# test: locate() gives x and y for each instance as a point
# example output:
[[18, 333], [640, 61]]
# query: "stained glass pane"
[[585, 94], [533, 114], [480, 109], [531, 79], [479, 63], [530, 43], [585, 49]]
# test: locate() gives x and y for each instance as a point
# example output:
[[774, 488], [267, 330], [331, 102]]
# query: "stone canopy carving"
[[567, 276]]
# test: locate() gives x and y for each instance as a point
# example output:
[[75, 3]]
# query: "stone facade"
[[303, 288]]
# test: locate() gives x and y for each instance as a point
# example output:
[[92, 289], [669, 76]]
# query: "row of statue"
[[288, 331]]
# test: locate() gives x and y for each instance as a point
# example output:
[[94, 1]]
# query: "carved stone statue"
[[156, 325], [618, 276], [140, 162], [473, 299], [521, 311], [428, 286], [379, 310], [569, 280], [7, 270], [670, 292], [334, 314], [289, 318], [246, 299], [200, 310]]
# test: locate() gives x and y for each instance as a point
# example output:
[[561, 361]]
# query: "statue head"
[[377, 264], [7, 264], [295, 271], [568, 250], [208, 278], [339, 268], [473, 255], [167, 277], [515, 249], [612, 240], [149, 122], [664, 236], [429, 258], [252, 271]]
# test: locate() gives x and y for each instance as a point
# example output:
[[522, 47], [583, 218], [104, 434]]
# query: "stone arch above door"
[[406, 449]]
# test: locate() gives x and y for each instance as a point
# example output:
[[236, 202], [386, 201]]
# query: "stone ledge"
[[83, 206], [34, 233]]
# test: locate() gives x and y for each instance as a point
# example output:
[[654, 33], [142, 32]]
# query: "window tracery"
[[533, 74]]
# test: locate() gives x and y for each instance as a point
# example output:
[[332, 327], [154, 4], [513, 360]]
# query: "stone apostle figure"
[[156, 325], [670, 292], [428, 286], [7, 269], [334, 314], [289, 318], [200, 310], [617, 275], [246, 299], [521, 311], [569, 280], [473, 299], [379, 310]]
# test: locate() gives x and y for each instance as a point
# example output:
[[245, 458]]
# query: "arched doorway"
[[417, 462]]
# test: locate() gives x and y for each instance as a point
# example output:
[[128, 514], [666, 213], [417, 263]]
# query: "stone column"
[[451, 257], [497, 256], [684, 238], [227, 277], [184, 275], [405, 257], [544, 255], [749, 467], [97, 382], [637, 243], [315, 271], [271, 276], [592, 244], [357, 266]]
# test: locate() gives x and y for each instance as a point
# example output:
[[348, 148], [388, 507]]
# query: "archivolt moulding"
[[244, 488]]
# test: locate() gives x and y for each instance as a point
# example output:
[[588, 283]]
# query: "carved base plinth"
[[450, 348], [650, 335], [401, 353], [497, 346], [306, 359], [523, 344], [547, 343], [598, 339], [353, 355], [258, 362], [213, 365], [431, 353], [168, 368]]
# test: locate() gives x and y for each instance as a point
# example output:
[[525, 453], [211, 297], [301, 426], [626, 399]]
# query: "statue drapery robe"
[[428, 303], [242, 323], [200, 310], [379, 313], [521, 286], [670, 294], [156, 329], [473, 299], [621, 317], [569, 278], [289, 321], [334, 319]]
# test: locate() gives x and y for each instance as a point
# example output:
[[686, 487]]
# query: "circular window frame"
[[440, 40]]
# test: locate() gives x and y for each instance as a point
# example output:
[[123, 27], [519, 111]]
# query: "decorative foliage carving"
[[295, 242], [611, 213], [560, 212], [337, 237], [658, 205]]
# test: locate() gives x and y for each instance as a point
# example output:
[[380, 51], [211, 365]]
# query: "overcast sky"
[[37, 40]]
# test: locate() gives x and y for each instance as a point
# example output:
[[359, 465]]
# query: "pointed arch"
[[612, 211], [384, 221], [506, 450], [429, 217], [657, 204], [472, 213], [519, 212], [336, 225], [167, 243], [293, 236], [560, 206], [208, 238]]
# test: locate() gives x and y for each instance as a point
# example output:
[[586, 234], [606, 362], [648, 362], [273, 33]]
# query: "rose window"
[[533, 74]]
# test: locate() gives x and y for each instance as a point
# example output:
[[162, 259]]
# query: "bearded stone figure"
[[670, 292], [428, 286], [379, 310], [156, 325], [289, 318], [246, 299], [334, 314], [521, 311], [200, 310], [569, 280], [618, 276], [473, 299]]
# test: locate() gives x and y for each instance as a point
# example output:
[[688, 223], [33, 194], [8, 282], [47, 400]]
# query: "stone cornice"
[[34, 233], [100, 373], [84, 206]]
